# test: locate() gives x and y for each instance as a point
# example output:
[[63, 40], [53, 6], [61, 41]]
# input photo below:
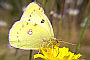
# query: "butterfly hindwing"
[[27, 35]]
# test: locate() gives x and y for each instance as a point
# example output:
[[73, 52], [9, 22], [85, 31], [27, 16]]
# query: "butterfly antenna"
[[58, 40]]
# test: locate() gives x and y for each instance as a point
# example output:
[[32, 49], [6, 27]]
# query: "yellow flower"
[[57, 54]]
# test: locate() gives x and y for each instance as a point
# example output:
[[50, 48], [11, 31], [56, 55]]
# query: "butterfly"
[[32, 28]]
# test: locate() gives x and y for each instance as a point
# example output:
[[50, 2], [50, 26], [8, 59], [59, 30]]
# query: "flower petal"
[[39, 55], [57, 53]]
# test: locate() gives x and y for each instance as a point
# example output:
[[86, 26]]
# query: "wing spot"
[[35, 24], [20, 29], [17, 36], [17, 33], [30, 15], [34, 10], [42, 21], [27, 23], [28, 19], [22, 25], [39, 8], [30, 32]]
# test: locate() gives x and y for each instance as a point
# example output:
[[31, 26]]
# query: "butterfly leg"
[[39, 51], [51, 41], [52, 49], [43, 41]]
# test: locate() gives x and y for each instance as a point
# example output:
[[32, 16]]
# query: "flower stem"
[[82, 34], [58, 30], [44, 3], [34, 0], [30, 56]]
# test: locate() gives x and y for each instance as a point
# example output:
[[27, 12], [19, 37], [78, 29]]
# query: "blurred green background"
[[68, 18]]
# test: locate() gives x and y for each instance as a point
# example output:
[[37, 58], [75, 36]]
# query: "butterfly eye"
[[42, 21]]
